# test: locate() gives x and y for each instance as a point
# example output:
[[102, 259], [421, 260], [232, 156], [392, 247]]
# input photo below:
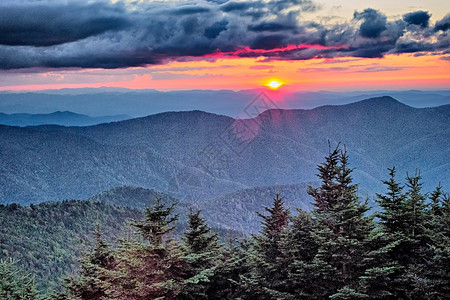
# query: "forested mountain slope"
[[49, 238], [195, 156], [64, 118]]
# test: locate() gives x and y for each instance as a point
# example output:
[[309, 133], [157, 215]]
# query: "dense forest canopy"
[[338, 250], [191, 155]]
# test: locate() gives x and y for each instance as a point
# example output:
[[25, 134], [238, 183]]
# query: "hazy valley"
[[198, 157]]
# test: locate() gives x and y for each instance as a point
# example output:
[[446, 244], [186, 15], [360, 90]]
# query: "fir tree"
[[325, 196], [16, 284], [153, 269], [402, 247], [392, 216], [231, 271], [96, 273], [158, 222], [381, 280], [199, 238], [267, 277], [298, 250], [418, 240], [342, 231], [203, 250], [438, 272], [273, 225]]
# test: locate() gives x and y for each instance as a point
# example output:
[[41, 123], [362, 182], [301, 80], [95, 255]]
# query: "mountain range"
[[99, 102], [218, 163], [64, 118]]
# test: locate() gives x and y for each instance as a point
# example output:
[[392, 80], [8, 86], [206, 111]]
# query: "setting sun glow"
[[274, 84]]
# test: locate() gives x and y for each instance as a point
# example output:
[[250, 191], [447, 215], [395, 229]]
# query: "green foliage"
[[439, 233], [337, 251], [392, 216], [16, 284], [157, 223], [404, 254], [148, 268], [202, 255], [342, 230], [232, 265], [154, 268], [268, 271], [298, 249], [96, 268], [198, 238], [48, 239]]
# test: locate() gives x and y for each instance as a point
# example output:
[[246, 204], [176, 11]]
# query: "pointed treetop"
[[158, 222]]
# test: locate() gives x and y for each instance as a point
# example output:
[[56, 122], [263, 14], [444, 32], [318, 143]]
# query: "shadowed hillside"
[[194, 156]]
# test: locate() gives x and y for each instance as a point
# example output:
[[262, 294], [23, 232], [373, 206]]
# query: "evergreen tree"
[[231, 271], [96, 273], [416, 207], [403, 243], [153, 269], [267, 277], [273, 225], [392, 215], [409, 256], [418, 241], [199, 238], [16, 284], [158, 222], [381, 280], [342, 231], [438, 272], [326, 195], [298, 250], [437, 199], [202, 249]]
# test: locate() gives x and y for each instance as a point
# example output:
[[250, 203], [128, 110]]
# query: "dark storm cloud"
[[254, 9], [99, 34], [189, 10], [443, 24], [270, 26], [417, 18], [267, 42], [217, 1], [305, 5], [240, 6], [374, 23], [413, 47], [215, 29], [47, 25]]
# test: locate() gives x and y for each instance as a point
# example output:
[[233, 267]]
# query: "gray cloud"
[[443, 24], [189, 10], [42, 34], [417, 18], [49, 24], [215, 29], [374, 23], [267, 42], [233, 6], [270, 26]]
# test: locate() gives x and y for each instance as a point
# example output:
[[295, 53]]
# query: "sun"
[[274, 84]]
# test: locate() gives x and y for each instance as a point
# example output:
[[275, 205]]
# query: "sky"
[[218, 44]]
